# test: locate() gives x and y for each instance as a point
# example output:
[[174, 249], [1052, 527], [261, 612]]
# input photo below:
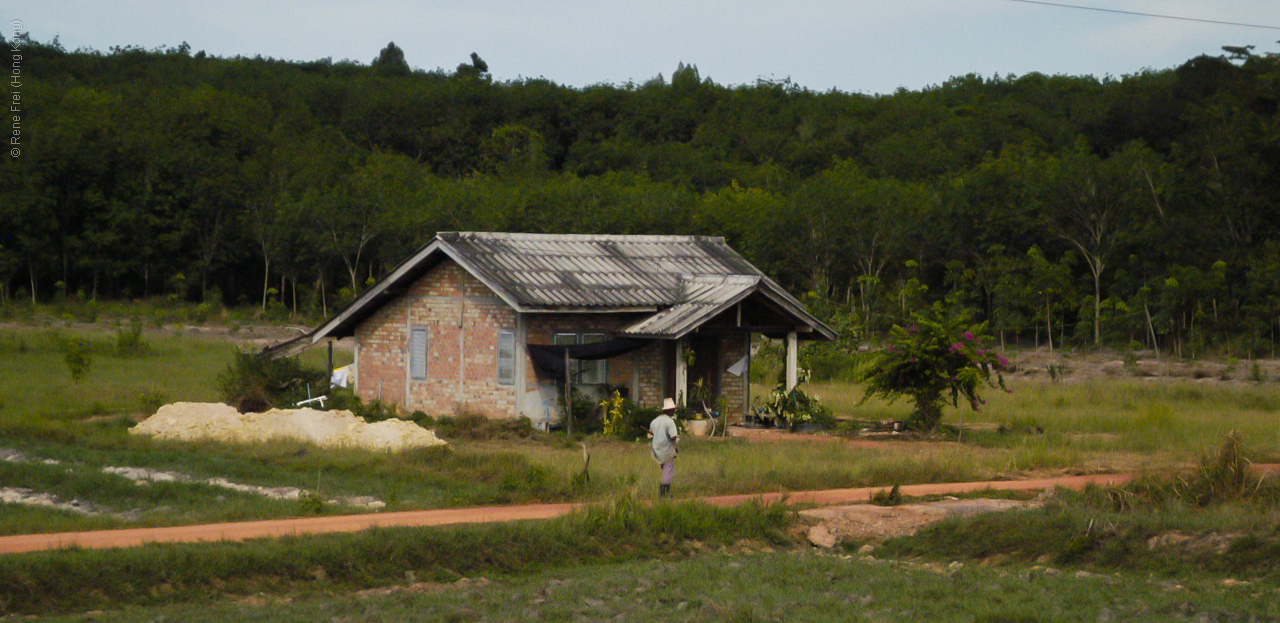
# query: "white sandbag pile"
[[191, 421]]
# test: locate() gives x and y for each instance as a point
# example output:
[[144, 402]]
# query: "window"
[[594, 372], [418, 353], [506, 357]]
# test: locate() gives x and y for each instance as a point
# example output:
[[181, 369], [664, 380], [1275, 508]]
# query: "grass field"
[[171, 365], [70, 430], [1169, 420], [1106, 425], [167, 573], [782, 586]]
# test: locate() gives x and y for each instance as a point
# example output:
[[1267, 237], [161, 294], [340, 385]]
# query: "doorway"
[[705, 371]]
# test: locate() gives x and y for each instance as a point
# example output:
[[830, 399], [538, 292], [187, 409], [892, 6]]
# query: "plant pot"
[[698, 428]]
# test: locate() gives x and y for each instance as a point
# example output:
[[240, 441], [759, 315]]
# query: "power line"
[[1159, 15]]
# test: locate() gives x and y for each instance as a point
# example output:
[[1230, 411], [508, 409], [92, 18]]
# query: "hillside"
[[1123, 210]]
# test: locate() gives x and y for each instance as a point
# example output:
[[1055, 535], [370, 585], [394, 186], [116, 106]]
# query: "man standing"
[[665, 440]]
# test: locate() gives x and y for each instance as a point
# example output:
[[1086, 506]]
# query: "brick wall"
[[381, 341], [649, 363], [462, 317], [733, 388]]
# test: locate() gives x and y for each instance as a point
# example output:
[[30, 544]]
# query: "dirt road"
[[353, 523]]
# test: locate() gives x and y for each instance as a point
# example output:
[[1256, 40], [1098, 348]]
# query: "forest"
[[1132, 211]]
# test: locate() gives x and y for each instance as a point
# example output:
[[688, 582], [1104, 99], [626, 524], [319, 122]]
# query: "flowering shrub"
[[935, 362], [624, 420], [616, 415]]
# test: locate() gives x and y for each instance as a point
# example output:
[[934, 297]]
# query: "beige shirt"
[[665, 437]]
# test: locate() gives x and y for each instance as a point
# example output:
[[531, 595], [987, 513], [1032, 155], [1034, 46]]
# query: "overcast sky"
[[851, 45]]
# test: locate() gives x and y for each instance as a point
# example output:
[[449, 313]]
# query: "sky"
[[850, 45]]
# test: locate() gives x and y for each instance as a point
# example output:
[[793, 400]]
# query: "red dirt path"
[[352, 523]]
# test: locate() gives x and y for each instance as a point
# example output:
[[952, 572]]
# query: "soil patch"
[[766, 435], [1085, 365], [143, 476], [423, 587], [21, 495], [866, 522]]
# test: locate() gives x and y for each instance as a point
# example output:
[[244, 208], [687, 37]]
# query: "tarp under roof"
[[548, 360]]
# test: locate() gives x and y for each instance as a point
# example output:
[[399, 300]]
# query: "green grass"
[[416, 479], [715, 467], [37, 389], [1103, 425], [1170, 420], [1217, 519], [623, 530], [471, 473], [1115, 424], [785, 586], [1081, 529]]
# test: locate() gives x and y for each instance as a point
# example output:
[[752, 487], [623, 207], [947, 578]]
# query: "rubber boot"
[[664, 490]]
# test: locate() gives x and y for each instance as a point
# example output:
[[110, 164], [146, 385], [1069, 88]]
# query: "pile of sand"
[[189, 421]]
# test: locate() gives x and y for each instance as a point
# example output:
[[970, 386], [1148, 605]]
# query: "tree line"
[[1134, 210]]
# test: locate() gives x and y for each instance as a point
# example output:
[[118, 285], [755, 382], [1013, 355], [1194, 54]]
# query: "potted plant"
[[698, 424], [795, 408]]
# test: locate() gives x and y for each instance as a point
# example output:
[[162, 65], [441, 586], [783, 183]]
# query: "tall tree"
[[390, 61], [1099, 203]]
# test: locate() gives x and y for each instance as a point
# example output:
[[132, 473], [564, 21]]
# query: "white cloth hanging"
[[341, 377]]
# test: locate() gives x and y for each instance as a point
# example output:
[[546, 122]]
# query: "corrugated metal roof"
[[549, 270], [683, 280], [702, 297]]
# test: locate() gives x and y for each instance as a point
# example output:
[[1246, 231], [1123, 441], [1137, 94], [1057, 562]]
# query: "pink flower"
[[955, 348], [890, 348], [913, 328], [968, 336], [1004, 363], [981, 352]]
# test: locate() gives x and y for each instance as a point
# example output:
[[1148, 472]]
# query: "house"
[[493, 321]]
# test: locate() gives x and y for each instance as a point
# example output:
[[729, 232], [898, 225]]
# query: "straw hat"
[[668, 404]]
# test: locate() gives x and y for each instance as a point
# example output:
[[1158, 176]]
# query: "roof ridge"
[[583, 237]]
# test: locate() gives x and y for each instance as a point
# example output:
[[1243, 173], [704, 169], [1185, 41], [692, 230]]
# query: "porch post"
[[682, 373], [792, 365], [746, 380], [568, 393]]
